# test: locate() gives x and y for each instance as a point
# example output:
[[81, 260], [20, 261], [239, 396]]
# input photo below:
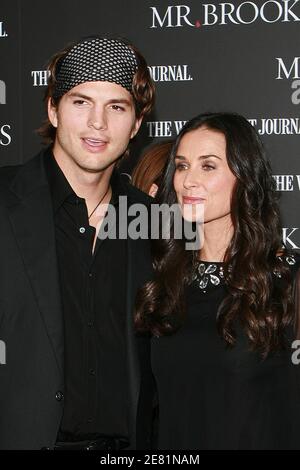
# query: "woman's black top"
[[215, 397]]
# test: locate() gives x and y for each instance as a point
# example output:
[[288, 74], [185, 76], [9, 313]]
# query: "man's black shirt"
[[93, 291]]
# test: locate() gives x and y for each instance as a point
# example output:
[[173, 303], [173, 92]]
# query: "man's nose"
[[97, 118]]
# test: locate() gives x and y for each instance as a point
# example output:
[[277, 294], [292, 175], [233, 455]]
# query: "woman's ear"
[[153, 190]]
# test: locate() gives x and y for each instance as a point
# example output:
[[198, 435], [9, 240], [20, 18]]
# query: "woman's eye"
[[208, 167], [180, 166]]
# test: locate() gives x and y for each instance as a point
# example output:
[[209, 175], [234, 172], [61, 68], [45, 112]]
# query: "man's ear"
[[52, 113], [136, 127]]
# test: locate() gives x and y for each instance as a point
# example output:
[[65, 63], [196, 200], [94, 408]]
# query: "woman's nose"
[[191, 179]]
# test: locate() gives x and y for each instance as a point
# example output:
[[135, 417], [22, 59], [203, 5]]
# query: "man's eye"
[[79, 102], [117, 107]]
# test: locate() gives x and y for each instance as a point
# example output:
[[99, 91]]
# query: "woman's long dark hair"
[[250, 259]]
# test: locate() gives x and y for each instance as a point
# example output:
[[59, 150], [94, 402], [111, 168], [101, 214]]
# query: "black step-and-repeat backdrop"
[[241, 56]]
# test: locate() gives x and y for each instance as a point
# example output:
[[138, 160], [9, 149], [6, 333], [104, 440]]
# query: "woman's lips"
[[192, 200]]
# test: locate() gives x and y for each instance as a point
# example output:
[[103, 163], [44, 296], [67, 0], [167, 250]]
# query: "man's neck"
[[88, 185]]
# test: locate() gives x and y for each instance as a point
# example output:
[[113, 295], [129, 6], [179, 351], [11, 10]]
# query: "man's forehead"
[[101, 89]]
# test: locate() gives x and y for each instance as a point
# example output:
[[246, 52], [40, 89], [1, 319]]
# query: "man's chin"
[[94, 169]]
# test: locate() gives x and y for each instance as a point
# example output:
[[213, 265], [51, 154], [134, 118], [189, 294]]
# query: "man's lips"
[[192, 200], [93, 142]]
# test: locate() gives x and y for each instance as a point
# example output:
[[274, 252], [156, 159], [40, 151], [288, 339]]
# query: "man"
[[76, 375]]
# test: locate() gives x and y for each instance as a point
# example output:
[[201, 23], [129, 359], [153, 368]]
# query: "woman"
[[148, 173], [223, 317]]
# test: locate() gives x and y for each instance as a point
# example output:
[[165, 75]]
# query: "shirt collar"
[[61, 189]]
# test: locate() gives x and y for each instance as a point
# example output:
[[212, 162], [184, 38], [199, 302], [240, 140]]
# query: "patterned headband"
[[96, 59]]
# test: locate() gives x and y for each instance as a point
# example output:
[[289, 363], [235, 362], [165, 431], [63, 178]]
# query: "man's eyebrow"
[[120, 100], [74, 94]]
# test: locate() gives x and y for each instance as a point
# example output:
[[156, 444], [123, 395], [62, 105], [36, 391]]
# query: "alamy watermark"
[[296, 353], [2, 352], [157, 221], [2, 92]]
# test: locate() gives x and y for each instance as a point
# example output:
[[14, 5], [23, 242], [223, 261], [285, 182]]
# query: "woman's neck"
[[217, 236]]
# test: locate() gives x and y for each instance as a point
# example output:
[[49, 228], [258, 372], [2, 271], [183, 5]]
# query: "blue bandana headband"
[[96, 59]]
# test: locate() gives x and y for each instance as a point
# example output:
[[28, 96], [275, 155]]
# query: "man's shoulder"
[[139, 196], [7, 176], [7, 173], [11, 176], [136, 196]]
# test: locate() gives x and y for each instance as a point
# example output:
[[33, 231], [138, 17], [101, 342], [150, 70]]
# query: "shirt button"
[[90, 274], [82, 230], [59, 396], [92, 372]]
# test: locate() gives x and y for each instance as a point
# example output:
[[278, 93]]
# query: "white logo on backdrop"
[[268, 126], [40, 77], [289, 69], [288, 237], [164, 128], [170, 73], [277, 126], [211, 14], [159, 73], [287, 182], [3, 33], [5, 138]]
